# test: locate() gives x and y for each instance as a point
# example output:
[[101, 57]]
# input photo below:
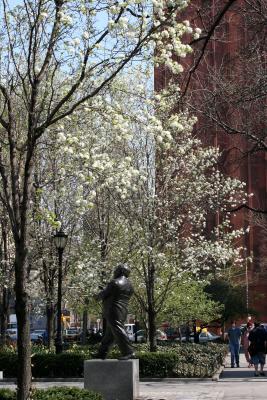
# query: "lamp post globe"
[[60, 240]]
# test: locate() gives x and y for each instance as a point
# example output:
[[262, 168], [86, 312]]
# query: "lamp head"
[[60, 240]]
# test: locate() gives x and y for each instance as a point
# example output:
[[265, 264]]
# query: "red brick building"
[[227, 90]]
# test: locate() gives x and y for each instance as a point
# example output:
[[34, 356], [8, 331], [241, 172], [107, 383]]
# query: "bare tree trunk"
[[4, 314], [6, 291], [50, 316], [151, 308], [85, 325], [23, 321], [152, 328]]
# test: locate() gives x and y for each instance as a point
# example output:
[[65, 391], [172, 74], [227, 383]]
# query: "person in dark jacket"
[[257, 348], [115, 299]]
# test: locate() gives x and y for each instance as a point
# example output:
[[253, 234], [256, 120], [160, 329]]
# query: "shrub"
[[66, 394], [157, 365], [186, 360], [55, 393], [8, 364], [62, 365], [6, 394]]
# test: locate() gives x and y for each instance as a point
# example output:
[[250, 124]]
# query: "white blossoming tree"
[[144, 192], [73, 184], [179, 191], [161, 187], [55, 56]]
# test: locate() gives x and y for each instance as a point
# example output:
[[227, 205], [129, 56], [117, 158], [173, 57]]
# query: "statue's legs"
[[121, 337], [106, 343]]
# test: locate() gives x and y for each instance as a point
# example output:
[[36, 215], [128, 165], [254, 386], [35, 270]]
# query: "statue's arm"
[[106, 292]]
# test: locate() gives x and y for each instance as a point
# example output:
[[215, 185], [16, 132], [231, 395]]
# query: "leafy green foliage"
[[7, 394], [55, 394], [66, 394], [8, 363], [231, 296], [182, 361], [188, 301], [53, 365]]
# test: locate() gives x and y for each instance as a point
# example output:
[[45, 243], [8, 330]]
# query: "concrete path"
[[235, 384], [242, 374]]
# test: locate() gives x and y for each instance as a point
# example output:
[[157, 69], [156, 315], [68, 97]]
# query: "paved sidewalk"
[[235, 384], [242, 374]]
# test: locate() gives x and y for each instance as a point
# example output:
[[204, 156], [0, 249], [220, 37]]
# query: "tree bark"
[[50, 316], [59, 342], [152, 328], [23, 321], [151, 308], [6, 291], [4, 314], [85, 325]]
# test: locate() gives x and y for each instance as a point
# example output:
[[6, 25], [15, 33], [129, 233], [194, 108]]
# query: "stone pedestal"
[[115, 380]]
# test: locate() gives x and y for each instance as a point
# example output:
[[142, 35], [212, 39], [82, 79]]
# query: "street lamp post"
[[60, 240]]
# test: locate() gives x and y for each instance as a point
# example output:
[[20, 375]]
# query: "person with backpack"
[[257, 348], [246, 333]]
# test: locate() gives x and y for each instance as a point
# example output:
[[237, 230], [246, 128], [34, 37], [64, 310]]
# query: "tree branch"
[[206, 41], [256, 210]]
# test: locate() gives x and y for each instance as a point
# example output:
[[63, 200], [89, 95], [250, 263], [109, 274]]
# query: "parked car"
[[12, 331], [38, 336], [12, 334], [72, 335], [172, 333], [129, 328], [204, 337], [141, 336]]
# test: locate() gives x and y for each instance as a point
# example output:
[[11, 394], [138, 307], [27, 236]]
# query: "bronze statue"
[[115, 299]]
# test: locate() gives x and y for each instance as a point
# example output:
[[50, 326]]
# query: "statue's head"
[[122, 270]]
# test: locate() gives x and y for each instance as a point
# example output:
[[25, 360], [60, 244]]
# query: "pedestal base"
[[115, 380]]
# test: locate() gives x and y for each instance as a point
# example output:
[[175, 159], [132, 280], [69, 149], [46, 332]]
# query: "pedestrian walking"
[[234, 336], [257, 348], [246, 333]]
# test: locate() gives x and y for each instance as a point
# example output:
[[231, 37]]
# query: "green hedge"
[[6, 394], [182, 361], [158, 365], [55, 394], [58, 365], [175, 360]]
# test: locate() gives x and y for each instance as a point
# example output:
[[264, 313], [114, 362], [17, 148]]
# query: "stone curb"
[[174, 380]]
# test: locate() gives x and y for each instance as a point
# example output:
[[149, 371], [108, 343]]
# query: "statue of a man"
[[115, 299]]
